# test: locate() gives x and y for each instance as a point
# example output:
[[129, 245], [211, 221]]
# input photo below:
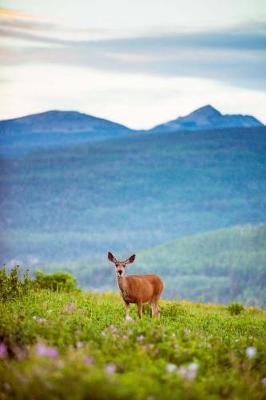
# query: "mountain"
[[207, 117], [50, 129], [60, 122], [58, 129]]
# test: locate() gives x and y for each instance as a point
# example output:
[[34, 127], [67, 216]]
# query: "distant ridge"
[[56, 121], [58, 129], [207, 117]]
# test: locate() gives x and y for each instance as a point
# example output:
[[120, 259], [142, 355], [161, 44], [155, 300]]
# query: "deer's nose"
[[120, 272]]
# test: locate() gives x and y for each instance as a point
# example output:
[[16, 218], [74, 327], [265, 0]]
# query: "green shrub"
[[235, 308], [12, 285], [56, 281]]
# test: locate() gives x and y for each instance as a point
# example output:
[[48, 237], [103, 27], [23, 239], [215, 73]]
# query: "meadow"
[[72, 344]]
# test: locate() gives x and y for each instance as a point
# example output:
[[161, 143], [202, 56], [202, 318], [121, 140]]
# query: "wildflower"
[[189, 372], [79, 345], [140, 338], [70, 307], [263, 381], [110, 368], [170, 367], [41, 320], [251, 351], [52, 352], [113, 328], [45, 351], [88, 360], [3, 351]]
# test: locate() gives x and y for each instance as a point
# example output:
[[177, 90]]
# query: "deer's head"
[[120, 265]]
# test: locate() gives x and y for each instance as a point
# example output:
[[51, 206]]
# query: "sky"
[[140, 62]]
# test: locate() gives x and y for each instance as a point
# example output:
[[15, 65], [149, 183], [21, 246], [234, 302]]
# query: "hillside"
[[76, 345], [208, 117], [220, 266]]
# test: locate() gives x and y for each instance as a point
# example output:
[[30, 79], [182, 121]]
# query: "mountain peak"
[[207, 111]]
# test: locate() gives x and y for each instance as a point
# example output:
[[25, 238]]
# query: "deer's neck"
[[122, 283]]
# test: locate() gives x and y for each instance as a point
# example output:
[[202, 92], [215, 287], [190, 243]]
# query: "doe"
[[138, 289]]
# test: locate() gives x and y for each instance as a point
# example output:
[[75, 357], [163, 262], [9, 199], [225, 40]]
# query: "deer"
[[137, 289]]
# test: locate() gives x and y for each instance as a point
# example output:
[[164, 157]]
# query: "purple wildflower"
[[52, 352], [88, 360], [70, 307], [110, 368], [46, 351], [3, 351], [263, 381]]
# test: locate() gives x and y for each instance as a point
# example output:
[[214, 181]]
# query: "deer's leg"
[[140, 307], [128, 317], [153, 310], [157, 310]]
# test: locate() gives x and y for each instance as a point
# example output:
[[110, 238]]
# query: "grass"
[[76, 345]]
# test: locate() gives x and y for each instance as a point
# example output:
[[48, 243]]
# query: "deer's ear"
[[131, 259], [111, 257]]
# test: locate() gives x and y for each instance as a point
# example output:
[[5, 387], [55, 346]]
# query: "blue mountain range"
[[55, 121], [207, 117]]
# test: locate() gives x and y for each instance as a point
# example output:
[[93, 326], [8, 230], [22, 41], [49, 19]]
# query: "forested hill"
[[130, 193], [71, 205]]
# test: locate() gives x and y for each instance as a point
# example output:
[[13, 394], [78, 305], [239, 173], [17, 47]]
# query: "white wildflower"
[[189, 372], [251, 351], [170, 368]]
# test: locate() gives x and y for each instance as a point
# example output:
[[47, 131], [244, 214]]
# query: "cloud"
[[15, 14], [40, 30], [235, 55]]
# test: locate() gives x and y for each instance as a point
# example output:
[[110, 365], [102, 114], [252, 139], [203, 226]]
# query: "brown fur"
[[138, 289]]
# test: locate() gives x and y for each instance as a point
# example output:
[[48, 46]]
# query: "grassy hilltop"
[[76, 345]]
